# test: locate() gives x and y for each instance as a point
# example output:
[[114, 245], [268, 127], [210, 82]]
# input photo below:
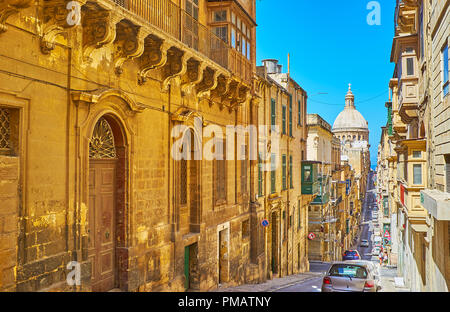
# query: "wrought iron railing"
[[170, 18]]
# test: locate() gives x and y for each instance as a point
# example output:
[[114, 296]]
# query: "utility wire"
[[340, 104]]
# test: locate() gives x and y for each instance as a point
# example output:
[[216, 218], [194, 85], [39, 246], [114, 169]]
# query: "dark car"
[[351, 255]]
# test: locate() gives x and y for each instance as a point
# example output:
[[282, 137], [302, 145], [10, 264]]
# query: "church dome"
[[350, 118]]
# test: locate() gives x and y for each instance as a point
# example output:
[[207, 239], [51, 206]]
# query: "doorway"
[[223, 257], [106, 174], [274, 243], [192, 278]]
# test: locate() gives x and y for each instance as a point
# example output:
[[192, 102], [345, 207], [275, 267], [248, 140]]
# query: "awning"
[[420, 227]]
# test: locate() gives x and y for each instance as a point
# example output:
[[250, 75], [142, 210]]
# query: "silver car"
[[350, 276]]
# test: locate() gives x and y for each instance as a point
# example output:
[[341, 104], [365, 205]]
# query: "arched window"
[[102, 145]]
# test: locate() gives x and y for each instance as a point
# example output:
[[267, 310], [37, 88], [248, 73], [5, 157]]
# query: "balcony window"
[[445, 82], [284, 119], [240, 35], [220, 16], [421, 32], [410, 66], [417, 174], [417, 154], [221, 32], [273, 112]]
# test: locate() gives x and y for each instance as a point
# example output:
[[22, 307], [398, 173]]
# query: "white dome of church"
[[350, 119]]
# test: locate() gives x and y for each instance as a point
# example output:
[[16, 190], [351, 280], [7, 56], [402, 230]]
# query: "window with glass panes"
[[260, 176], [240, 35], [272, 112], [445, 81], [299, 122], [417, 174], [284, 119], [220, 24], [191, 23]]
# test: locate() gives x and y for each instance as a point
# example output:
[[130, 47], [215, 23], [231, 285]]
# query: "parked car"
[[364, 243], [374, 267], [350, 277], [351, 255], [376, 251]]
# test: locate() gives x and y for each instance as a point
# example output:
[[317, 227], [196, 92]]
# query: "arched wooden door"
[[102, 207]]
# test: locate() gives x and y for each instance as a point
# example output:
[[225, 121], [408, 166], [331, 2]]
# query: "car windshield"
[[350, 253], [348, 270]]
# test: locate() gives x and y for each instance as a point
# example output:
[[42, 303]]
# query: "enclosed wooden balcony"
[[176, 22]]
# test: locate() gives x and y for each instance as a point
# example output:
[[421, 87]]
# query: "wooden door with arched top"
[[102, 207]]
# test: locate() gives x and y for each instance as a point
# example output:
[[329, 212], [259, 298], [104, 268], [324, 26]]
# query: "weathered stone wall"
[[9, 208]]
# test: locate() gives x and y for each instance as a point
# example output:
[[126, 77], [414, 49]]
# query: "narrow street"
[[312, 281]]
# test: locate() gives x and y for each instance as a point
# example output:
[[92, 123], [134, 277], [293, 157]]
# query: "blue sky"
[[332, 45]]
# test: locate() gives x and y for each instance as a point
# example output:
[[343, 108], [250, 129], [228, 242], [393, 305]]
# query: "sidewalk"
[[271, 285], [388, 275]]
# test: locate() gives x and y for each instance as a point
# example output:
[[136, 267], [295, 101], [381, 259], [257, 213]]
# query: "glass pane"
[[445, 60], [244, 45], [417, 172], [233, 18], [417, 154], [410, 66], [248, 50], [220, 16], [239, 23], [233, 37]]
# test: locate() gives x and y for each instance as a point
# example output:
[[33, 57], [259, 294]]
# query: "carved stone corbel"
[[55, 13], [176, 65], [223, 84], [129, 43], [10, 7], [99, 28], [209, 82], [193, 76], [154, 56]]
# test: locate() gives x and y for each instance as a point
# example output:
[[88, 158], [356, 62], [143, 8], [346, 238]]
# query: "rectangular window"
[[291, 182], [299, 122], [447, 173], [248, 50], [233, 37], [273, 112], [220, 174], [421, 34], [290, 116], [445, 84], [284, 119], [221, 32], [220, 16], [244, 171], [273, 160], [417, 154], [284, 173], [299, 215], [417, 174], [5, 130], [410, 66]]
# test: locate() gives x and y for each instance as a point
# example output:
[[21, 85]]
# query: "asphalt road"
[[314, 284]]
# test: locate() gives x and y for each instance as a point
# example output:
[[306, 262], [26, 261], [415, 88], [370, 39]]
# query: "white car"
[[376, 251], [364, 243]]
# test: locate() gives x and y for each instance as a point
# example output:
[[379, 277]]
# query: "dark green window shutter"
[[299, 113], [273, 112], [290, 172], [284, 119], [284, 172], [290, 115], [186, 267], [272, 174]]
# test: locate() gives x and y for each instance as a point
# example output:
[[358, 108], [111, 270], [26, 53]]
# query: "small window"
[[410, 66], [220, 16], [233, 38], [445, 81], [417, 154], [5, 129], [417, 174], [409, 50]]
